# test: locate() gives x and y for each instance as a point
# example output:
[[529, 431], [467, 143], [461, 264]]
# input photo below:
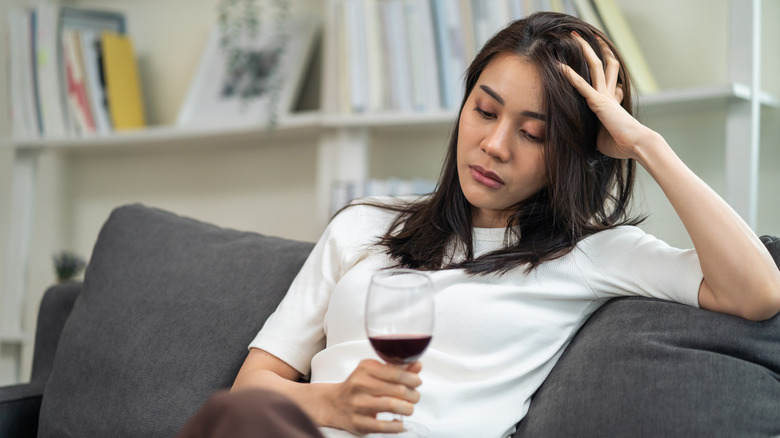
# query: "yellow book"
[[620, 32], [123, 86]]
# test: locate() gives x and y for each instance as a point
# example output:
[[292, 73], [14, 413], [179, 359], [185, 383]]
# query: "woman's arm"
[[351, 405], [740, 277]]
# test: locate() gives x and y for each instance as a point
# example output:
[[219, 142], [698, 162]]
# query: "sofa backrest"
[[168, 307], [643, 367]]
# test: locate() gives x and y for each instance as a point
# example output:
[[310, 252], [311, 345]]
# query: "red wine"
[[400, 349]]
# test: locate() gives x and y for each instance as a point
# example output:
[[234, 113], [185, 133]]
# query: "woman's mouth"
[[486, 177]]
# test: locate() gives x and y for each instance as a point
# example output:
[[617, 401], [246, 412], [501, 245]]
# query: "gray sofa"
[[169, 304]]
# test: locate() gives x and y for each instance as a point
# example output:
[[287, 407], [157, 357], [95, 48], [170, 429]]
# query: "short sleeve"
[[626, 261], [294, 332]]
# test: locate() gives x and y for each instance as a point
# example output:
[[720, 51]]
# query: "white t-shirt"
[[496, 337]]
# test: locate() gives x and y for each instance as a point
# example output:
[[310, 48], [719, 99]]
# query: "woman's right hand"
[[351, 405], [372, 388]]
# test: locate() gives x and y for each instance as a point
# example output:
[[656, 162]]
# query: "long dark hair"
[[587, 192]]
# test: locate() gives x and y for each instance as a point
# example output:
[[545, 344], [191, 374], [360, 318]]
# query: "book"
[[417, 39], [586, 10], [468, 28], [400, 75], [123, 85], [81, 118], [344, 99], [451, 53], [50, 82], [342, 192], [331, 102], [358, 59], [427, 43], [620, 32], [24, 111], [377, 77], [87, 24], [93, 78], [570, 8], [94, 19]]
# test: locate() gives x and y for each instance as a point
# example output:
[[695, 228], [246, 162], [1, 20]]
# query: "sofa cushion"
[[168, 307], [642, 367]]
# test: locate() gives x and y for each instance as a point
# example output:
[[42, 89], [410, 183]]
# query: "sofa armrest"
[[19, 408], [55, 308], [21, 404]]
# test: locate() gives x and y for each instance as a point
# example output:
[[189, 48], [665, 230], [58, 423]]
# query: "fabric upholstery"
[[647, 368], [19, 406], [167, 309], [56, 305]]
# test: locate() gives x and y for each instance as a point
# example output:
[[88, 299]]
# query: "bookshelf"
[[343, 146]]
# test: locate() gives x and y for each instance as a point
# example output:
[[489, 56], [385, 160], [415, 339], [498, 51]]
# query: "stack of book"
[[343, 192], [411, 55], [72, 72]]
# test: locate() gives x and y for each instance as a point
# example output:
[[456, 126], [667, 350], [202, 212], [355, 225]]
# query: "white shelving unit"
[[343, 148]]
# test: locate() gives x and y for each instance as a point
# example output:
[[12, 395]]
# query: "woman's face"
[[500, 154]]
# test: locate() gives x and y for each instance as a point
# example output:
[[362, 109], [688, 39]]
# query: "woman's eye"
[[533, 138], [484, 113]]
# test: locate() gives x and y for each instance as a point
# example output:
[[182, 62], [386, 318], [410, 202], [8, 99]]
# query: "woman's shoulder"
[[622, 241], [614, 242]]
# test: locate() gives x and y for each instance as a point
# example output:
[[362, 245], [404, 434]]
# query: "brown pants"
[[249, 413]]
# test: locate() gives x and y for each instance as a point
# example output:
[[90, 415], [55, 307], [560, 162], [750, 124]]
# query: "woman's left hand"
[[724, 243], [620, 132]]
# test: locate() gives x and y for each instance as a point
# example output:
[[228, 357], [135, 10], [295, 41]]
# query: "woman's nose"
[[496, 143]]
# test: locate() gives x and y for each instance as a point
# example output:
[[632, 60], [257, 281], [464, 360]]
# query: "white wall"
[[270, 188]]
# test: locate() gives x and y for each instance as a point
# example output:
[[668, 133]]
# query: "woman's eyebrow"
[[492, 94], [500, 100]]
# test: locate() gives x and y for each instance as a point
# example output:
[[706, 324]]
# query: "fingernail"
[[574, 32]]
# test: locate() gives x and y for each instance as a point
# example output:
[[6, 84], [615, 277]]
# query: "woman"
[[526, 235]]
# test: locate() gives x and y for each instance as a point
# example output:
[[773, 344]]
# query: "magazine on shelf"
[[249, 96], [343, 192]]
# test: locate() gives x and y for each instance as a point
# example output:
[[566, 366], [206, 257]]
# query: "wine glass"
[[399, 322]]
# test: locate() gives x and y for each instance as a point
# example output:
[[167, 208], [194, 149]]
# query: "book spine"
[[93, 78], [78, 98], [358, 55], [122, 83], [49, 77], [24, 112]]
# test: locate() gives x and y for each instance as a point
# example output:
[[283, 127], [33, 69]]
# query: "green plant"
[[242, 21], [68, 265]]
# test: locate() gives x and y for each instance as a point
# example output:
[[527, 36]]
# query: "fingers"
[[579, 83], [604, 76], [375, 387], [612, 66], [414, 367], [386, 388], [407, 375], [365, 425], [597, 77]]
